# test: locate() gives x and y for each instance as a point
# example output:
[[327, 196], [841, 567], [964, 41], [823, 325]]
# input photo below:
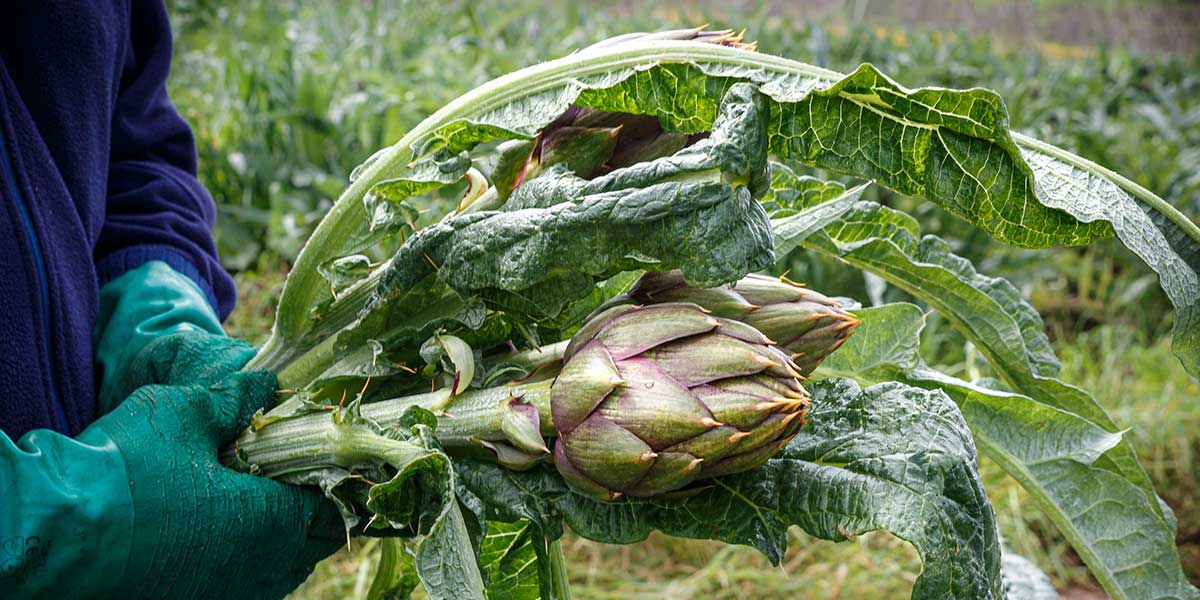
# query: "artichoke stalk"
[[808, 324], [648, 400]]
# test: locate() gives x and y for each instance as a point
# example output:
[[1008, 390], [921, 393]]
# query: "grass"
[[287, 97], [674, 569]]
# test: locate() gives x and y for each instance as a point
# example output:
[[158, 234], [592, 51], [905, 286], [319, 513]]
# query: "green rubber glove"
[[138, 504], [199, 528], [136, 308]]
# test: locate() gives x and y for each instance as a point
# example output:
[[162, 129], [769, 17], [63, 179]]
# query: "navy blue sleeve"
[[157, 209]]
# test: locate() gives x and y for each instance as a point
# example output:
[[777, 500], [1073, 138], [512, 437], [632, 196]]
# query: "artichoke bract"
[[808, 324], [652, 398]]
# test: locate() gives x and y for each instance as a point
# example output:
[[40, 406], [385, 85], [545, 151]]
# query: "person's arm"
[[138, 505], [155, 258], [157, 210]]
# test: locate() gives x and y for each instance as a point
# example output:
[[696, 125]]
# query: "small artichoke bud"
[[594, 142], [652, 398], [584, 150], [807, 324], [723, 37], [633, 150]]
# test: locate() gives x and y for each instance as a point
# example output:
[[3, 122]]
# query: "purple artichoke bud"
[[584, 150], [807, 324], [632, 150], [723, 37], [652, 398], [593, 142]]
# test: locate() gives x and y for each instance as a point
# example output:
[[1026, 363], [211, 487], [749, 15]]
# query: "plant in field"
[[580, 342]]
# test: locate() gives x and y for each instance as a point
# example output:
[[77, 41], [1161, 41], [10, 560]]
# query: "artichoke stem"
[[475, 414], [306, 443], [537, 358]]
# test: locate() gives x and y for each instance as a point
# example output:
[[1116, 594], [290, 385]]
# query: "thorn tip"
[[765, 362]]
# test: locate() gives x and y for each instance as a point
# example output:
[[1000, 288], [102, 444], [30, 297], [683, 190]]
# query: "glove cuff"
[[145, 303], [68, 533]]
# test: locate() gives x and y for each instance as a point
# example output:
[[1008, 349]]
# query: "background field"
[[287, 97]]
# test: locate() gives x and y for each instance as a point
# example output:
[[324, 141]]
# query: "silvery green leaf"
[[1059, 457], [988, 311], [558, 234], [1023, 580]]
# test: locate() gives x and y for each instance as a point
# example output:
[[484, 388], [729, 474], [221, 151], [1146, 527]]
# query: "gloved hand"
[[193, 358], [138, 504], [156, 327], [141, 306], [199, 528]]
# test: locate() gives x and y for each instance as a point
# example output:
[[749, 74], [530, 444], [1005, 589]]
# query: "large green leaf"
[[988, 311], [1159, 234], [445, 560], [950, 146], [419, 498], [889, 457], [1052, 453], [558, 234]]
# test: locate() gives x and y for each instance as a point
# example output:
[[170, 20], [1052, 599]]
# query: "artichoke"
[[652, 398], [807, 324]]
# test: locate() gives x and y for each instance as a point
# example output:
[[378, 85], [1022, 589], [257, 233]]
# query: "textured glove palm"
[[201, 529]]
